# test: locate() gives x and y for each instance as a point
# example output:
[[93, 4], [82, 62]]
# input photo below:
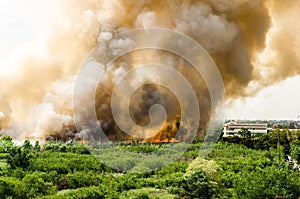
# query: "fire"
[[39, 96], [83, 141], [166, 140]]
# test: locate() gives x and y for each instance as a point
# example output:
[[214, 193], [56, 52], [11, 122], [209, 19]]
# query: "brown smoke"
[[254, 44], [282, 55]]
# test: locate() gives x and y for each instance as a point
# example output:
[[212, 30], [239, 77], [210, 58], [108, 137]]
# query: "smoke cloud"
[[254, 43]]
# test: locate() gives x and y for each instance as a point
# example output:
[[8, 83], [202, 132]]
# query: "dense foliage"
[[236, 167]]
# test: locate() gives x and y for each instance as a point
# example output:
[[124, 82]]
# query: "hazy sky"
[[23, 26], [279, 101]]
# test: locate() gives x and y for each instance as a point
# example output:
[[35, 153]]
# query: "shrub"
[[269, 182], [295, 150], [195, 185]]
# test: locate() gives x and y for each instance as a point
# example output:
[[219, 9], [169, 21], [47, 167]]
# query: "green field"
[[252, 167]]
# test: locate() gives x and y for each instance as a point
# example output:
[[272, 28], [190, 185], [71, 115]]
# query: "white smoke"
[[37, 101]]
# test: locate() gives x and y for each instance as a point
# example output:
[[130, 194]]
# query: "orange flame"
[[166, 140]]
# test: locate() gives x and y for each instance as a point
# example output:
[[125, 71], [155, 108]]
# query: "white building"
[[233, 128]]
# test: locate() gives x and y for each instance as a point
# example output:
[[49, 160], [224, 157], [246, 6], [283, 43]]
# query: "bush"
[[83, 179], [33, 185], [212, 170], [30, 186], [269, 182], [295, 150], [203, 179], [64, 163], [195, 185], [92, 192], [19, 157]]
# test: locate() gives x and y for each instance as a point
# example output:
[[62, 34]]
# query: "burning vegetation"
[[253, 43]]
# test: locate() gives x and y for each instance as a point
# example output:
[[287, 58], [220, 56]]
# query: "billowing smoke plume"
[[253, 42]]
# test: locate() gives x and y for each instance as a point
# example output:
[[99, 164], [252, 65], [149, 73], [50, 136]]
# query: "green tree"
[[245, 133], [295, 150], [19, 157], [37, 146], [27, 145], [279, 157], [196, 185], [269, 182], [6, 144], [33, 185]]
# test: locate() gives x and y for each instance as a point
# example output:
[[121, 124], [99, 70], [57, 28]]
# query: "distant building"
[[233, 128], [277, 125]]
